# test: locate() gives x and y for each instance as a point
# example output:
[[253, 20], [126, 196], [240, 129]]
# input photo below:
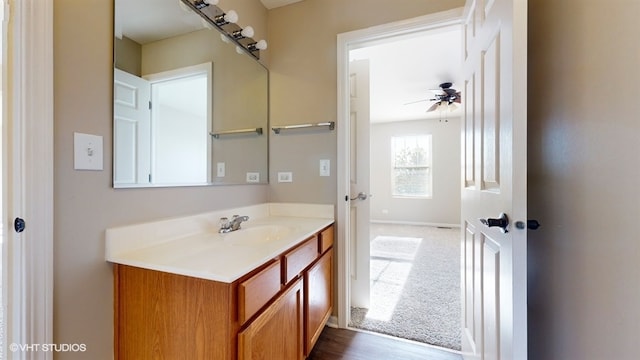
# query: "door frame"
[[346, 42], [28, 142]]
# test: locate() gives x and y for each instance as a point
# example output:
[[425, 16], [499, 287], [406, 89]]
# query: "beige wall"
[[584, 171], [85, 203], [129, 55], [444, 206], [303, 70]]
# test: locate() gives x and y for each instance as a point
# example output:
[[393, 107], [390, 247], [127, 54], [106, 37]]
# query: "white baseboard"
[[332, 322], [393, 222]]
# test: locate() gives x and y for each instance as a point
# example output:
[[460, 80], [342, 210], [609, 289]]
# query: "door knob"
[[530, 224], [19, 224], [361, 196], [502, 222]]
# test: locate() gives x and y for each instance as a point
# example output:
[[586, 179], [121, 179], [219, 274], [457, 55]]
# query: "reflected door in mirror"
[[132, 129]]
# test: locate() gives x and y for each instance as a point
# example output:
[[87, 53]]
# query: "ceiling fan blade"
[[433, 107], [458, 98], [417, 101]]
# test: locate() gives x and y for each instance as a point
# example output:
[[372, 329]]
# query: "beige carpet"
[[415, 285]]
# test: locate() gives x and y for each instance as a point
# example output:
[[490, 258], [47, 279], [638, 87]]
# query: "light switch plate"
[[220, 169], [253, 177], [285, 177], [87, 151], [325, 167]]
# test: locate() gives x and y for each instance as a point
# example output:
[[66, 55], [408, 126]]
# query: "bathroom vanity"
[[185, 291]]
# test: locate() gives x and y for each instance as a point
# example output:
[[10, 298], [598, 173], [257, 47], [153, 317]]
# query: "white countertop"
[[192, 246]]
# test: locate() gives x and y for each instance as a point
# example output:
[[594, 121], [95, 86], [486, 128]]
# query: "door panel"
[[490, 297], [490, 117], [359, 182], [469, 144], [494, 162], [132, 129], [468, 287]]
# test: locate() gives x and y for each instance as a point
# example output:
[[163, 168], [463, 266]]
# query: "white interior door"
[[132, 129], [494, 262], [27, 178], [359, 183]]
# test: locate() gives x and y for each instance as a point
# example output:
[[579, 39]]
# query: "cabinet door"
[[318, 298], [277, 332]]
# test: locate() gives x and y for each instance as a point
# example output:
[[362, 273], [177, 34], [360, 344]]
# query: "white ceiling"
[[406, 69], [133, 19], [403, 69]]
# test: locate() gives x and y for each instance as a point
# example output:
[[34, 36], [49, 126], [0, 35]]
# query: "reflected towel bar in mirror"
[[235, 132], [331, 125]]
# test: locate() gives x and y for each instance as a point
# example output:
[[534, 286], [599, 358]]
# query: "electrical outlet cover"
[[285, 177], [253, 177]]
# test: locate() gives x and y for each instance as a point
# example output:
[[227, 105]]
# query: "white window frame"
[[429, 165]]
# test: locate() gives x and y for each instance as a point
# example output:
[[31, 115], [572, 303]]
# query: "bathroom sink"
[[257, 234]]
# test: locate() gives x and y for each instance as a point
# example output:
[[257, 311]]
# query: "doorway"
[[397, 123]]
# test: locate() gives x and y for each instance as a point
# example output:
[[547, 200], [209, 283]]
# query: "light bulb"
[[231, 17], [247, 32], [243, 33], [261, 45]]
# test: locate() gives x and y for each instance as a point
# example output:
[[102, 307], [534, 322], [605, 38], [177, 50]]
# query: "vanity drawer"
[[256, 291], [299, 258], [326, 240]]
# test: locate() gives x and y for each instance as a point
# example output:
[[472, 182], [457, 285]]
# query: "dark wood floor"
[[345, 344]]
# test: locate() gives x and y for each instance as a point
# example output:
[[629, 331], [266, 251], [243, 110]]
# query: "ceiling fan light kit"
[[226, 24], [448, 96], [445, 98]]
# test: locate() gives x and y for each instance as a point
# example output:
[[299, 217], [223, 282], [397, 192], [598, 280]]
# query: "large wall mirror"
[[188, 108]]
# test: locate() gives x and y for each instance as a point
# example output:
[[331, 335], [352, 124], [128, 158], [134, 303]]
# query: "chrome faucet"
[[227, 225]]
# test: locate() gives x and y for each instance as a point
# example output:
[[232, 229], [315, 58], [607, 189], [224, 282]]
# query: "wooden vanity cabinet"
[[160, 315], [275, 312], [277, 332], [318, 300]]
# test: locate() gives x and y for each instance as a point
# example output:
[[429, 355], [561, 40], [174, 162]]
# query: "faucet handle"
[[224, 221]]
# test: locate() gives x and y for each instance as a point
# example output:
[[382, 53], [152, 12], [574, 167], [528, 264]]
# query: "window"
[[411, 166]]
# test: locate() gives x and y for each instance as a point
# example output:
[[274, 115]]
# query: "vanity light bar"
[[225, 23]]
